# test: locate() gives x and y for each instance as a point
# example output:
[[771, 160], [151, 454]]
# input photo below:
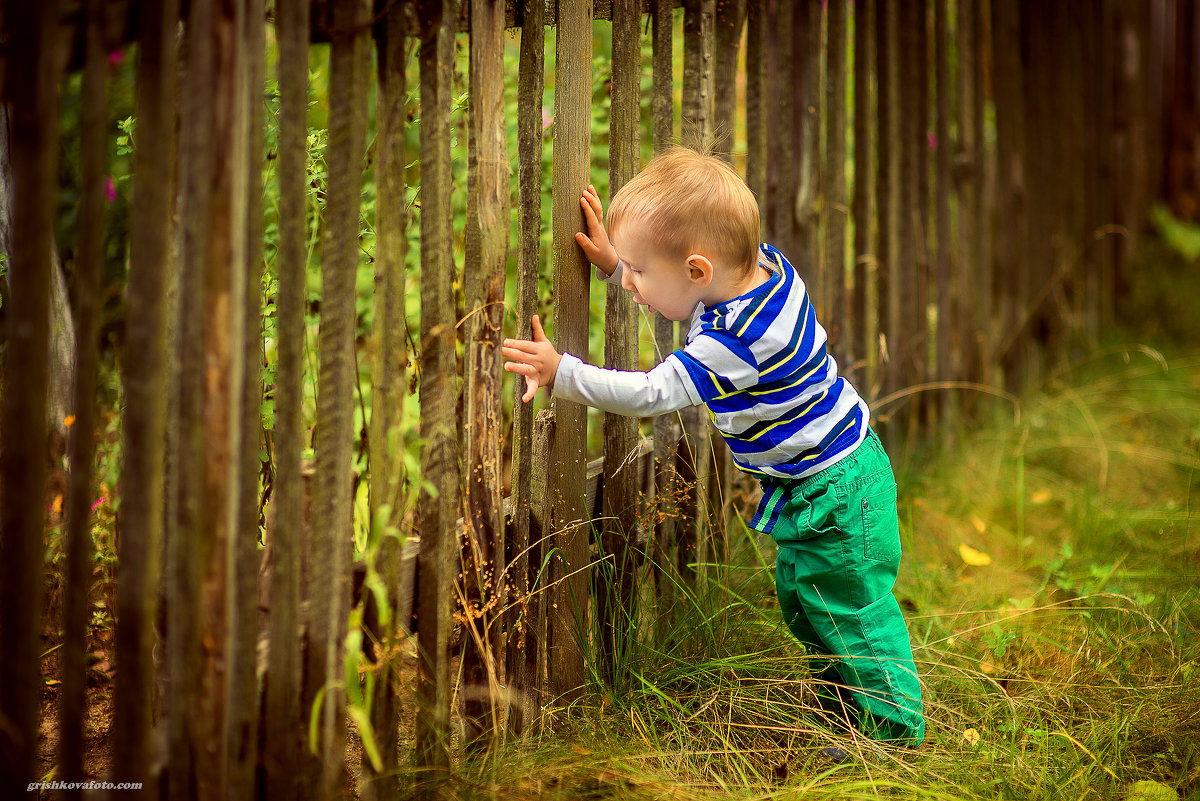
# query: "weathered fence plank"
[[730, 20], [191, 731], [243, 694], [692, 457], [756, 104], [972, 288], [284, 698], [616, 600], [32, 94], [224, 331], [666, 430], [837, 315], [572, 150], [887, 188], [436, 516], [781, 132], [860, 327], [1009, 240], [522, 667], [909, 344], [332, 508], [942, 360], [78, 552], [381, 619], [807, 199], [727, 37], [487, 252]]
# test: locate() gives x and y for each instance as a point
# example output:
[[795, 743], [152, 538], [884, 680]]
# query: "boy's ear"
[[700, 270]]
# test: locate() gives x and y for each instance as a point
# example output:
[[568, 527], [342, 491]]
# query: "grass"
[[1066, 667]]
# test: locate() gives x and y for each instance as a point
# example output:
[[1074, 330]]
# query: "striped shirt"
[[760, 364]]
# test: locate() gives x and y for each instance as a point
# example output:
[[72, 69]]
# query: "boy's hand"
[[535, 359], [595, 243]]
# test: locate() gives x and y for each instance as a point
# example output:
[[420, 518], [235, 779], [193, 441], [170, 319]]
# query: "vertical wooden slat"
[[730, 17], [77, 562], [665, 426], [917, 221], [1010, 232], [756, 103], [697, 70], [284, 732], [837, 314], [332, 507], [537, 649], [806, 193], [572, 123], [696, 124], [1095, 166], [782, 139], [945, 301], [436, 516], [243, 695], [522, 670], [144, 422], [1041, 123], [860, 326], [908, 349], [189, 722], [967, 185], [488, 223], [615, 598], [1106, 156], [887, 195], [224, 330], [389, 374], [32, 94]]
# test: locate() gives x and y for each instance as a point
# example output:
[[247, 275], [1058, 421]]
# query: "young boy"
[[684, 239]]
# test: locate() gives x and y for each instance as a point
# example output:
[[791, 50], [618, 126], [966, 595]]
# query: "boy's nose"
[[626, 283]]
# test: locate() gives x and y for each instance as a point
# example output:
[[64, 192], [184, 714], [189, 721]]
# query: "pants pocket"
[[880, 522]]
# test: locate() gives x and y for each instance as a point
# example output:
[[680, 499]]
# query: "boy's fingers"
[[531, 388], [594, 202], [521, 368], [538, 333]]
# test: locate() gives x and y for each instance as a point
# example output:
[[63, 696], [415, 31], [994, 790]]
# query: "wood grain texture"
[[522, 666], [572, 149], [286, 699], [439, 402]]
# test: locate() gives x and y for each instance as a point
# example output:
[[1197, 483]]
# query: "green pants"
[[839, 550]]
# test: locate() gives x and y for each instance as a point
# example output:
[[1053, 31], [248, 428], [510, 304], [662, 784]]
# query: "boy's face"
[[658, 280]]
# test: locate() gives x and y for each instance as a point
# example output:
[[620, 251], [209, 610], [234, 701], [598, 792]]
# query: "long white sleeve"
[[635, 394]]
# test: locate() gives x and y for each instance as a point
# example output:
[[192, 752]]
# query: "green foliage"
[[1181, 236]]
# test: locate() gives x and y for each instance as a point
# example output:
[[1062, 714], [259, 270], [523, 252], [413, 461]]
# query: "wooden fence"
[[961, 216]]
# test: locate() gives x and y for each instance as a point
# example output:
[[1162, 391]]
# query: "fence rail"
[[962, 215]]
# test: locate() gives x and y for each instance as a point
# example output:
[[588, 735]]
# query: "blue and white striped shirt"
[[760, 363]]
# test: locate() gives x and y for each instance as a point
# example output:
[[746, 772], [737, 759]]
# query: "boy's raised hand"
[[595, 243], [535, 359]]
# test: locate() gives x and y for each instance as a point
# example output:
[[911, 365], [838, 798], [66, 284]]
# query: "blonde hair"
[[690, 202]]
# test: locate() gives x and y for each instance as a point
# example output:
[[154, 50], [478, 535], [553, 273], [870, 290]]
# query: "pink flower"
[[932, 142], [546, 118], [115, 58], [99, 502], [110, 189]]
